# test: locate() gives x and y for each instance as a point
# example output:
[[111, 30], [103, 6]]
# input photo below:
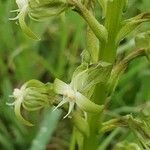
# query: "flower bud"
[[32, 96]]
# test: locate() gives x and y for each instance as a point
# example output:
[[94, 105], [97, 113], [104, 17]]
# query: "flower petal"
[[60, 104], [15, 18], [71, 106], [60, 87], [24, 27], [87, 105], [18, 113]]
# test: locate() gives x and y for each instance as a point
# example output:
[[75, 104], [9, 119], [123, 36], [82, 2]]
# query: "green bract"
[[32, 96], [89, 77]]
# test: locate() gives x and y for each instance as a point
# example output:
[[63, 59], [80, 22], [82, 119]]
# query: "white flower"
[[72, 96]]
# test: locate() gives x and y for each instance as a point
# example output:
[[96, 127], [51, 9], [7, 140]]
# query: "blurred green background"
[[56, 55]]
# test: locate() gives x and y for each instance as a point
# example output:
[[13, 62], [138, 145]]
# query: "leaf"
[[131, 24], [47, 127]]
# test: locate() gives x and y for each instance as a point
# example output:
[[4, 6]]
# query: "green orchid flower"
[[32, 96], [38, 10], [41, 10], [74, 97], [23, 9]]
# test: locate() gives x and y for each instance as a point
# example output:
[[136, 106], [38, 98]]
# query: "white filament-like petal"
[[61, 103], [15, 18], [18, 113], [71, 107]]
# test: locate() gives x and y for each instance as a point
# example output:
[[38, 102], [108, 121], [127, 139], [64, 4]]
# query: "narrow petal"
[[60, 104], [71, 106], [25, 28], [87, 105], [16, 10], [15, 18], [18, 113], [10, 104], [60, 86]]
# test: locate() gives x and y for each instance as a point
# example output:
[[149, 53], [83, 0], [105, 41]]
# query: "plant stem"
[[98, 29], [107, 53], [112, 24]]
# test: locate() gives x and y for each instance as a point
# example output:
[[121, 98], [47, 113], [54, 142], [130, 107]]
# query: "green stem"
[[112, 24], [107, 53], [98, 29], [73, 141]]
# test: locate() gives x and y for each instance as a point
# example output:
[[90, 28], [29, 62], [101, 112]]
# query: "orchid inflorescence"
[[98, 71]]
